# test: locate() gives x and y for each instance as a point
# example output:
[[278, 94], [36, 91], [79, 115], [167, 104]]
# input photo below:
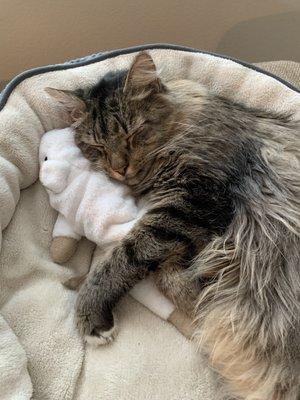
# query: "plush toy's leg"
[[147, 293], [75, 282], [182, 322], [65, 240], [62, 248]]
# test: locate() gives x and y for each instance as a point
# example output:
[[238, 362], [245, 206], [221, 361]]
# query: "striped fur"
[[223, 230]]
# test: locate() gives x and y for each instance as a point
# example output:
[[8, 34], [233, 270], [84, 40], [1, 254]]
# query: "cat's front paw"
[[98, 336], [95, 323]]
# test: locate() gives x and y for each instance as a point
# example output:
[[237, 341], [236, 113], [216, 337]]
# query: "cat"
[[222, 234]]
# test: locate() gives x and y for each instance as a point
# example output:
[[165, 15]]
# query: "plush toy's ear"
[[142, 75], [71, 102]]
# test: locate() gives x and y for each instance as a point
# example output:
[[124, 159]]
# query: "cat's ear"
[[72, 103], [142, 75]]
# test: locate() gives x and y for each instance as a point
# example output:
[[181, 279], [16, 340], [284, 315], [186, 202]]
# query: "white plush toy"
[[91, 205], [88, 202]]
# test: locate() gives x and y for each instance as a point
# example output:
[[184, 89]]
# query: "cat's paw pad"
[[100, 338]]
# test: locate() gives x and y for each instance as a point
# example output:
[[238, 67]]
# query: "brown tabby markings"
[[222, 183]]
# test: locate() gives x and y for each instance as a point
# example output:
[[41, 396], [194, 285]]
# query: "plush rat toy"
[[91, 205]]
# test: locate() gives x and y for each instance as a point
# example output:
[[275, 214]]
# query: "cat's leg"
[[77, 281], [64, 242], [174, 283], [149, 244], [147, 293]]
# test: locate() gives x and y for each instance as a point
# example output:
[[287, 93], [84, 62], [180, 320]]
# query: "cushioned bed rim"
[[114, 53]]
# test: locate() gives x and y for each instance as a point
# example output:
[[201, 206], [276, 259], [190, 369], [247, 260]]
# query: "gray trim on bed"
[[93, 58]]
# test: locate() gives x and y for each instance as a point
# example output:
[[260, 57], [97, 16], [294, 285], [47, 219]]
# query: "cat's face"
[[122, 122]]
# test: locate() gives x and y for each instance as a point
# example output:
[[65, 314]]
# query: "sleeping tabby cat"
[[222, 233]]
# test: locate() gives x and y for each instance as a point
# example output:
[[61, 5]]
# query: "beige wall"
[[38, 32]]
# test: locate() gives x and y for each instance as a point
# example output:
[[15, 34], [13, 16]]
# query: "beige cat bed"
[[41, 355]]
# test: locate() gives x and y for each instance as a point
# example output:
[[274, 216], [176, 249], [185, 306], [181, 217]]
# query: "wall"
[[38, 32]]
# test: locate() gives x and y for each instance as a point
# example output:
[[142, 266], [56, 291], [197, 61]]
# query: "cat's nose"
[[130, 172], [122, 170], [118, 174]]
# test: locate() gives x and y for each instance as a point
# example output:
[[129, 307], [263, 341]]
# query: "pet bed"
[[41, 355]]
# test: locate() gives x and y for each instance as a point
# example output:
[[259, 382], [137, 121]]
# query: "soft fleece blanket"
[[41, 355]]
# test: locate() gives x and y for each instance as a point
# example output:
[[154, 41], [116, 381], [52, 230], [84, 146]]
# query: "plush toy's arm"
[[63, 228], [118, 231], [147, 293], [64, 243]]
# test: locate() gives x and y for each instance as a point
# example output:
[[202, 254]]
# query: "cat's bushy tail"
[[248, 317]]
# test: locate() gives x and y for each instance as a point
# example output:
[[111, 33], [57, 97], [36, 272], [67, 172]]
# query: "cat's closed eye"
[[142, 136], [92, 151], [100, 150], [92, 134]]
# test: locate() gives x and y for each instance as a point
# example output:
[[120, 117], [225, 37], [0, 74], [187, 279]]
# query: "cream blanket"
[[41, 355]]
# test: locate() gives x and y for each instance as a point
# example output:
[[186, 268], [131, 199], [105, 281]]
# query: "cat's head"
[[122, 121]]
